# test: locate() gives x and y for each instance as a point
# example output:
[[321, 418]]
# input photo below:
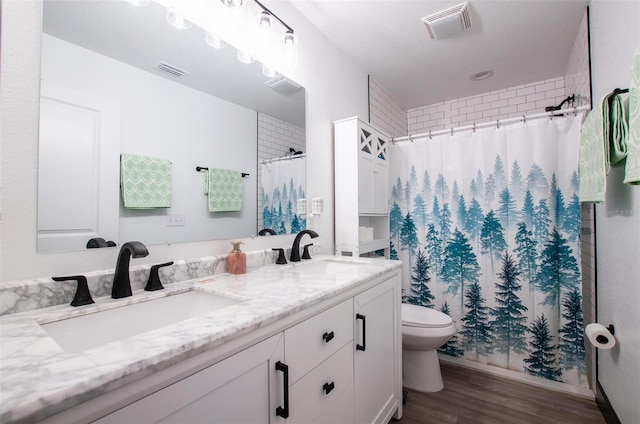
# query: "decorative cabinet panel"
[[244, 388], [373, 175], [361, 187], [377, 335]]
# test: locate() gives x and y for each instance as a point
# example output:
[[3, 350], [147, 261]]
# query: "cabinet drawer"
[[309, 397], [314, 340], [340, 411]]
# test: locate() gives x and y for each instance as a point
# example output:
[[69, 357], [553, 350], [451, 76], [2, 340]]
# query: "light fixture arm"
[[266, 9]]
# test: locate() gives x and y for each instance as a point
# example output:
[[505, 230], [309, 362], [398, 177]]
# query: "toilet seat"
[[423, 317]]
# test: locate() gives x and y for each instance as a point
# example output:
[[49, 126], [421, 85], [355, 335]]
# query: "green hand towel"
[[225, 190], [145, 182], [603, 142], [632, 168]]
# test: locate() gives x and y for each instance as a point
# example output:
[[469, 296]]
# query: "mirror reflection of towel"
[[225, 190], [145, 182]]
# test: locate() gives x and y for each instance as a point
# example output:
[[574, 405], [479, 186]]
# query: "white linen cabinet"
[[361, 188]]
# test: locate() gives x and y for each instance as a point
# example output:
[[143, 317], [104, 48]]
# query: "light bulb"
[[176, 20], [245, 57], [265, 19], [290, 38], [268, 71], [215, 41], [138, 2]]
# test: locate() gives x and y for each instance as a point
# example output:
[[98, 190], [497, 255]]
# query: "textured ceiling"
[[521, 41]]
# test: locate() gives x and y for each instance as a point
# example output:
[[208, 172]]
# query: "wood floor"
[[471, 397]]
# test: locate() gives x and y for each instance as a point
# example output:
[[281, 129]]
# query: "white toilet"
[[423, 331]]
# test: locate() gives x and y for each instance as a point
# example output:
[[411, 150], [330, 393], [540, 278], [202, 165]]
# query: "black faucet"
[[266, 231], [295, 250], [121, 283]]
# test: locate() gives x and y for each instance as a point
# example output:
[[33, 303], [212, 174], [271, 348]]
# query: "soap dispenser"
[[237, 259]]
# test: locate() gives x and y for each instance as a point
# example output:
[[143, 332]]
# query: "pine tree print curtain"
[[283, 183], [487, 224]]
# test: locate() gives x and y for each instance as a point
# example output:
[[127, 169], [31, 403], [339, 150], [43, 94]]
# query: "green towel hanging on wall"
[[225, 190], [632, 168], [603, 142], [145, 182]]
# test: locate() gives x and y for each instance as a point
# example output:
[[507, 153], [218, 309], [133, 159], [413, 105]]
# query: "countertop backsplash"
[[26, 295]]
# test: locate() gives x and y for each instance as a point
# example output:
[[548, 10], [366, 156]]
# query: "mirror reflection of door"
[[78, 153]]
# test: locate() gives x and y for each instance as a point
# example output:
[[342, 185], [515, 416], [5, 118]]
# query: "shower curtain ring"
[[497, 124], [451, 131], [411, 139], [524, 119], [430, 136], [474, 127]]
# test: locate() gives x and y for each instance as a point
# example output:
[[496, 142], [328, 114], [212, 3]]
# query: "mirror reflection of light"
[[246, 25]]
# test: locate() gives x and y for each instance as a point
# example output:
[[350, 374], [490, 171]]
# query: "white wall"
[[336, 88], [164, 119], [615, 34]]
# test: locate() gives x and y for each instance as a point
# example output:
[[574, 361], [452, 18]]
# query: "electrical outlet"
[[175, 220]]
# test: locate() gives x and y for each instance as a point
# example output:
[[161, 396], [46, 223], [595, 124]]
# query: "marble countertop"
[[39, 379]]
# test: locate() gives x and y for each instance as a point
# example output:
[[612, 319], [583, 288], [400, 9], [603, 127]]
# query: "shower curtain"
[[283, 184], [487, 224]]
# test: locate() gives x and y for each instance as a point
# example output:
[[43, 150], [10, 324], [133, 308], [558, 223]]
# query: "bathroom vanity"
[[317, 341]]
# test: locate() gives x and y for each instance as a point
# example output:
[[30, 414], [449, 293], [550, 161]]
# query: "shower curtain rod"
[[497, 122], [288, 157]]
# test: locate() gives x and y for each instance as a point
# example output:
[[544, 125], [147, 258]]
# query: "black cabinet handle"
[[362, 346], [328, 337], [280, 411], [328, 387]]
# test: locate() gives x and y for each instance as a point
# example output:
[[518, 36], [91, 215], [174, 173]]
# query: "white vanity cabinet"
[[337, 361], [362, 187]]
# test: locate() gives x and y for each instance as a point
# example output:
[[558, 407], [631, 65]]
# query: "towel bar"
[[204, 168]]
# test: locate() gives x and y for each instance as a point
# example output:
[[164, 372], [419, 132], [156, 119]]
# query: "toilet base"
[[421, 371]]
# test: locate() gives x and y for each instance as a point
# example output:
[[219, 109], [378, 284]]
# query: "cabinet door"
[[366, 164], [244, 388], [381, 176], [377, 370]]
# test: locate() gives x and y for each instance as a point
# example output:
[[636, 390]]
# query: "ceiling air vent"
[[449, 22], [282, 85], [172, 70]]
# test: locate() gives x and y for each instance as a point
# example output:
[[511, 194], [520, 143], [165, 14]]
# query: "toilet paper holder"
[[603, 339]]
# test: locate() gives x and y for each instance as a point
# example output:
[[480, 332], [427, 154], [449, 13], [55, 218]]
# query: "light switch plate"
[[175, 220]]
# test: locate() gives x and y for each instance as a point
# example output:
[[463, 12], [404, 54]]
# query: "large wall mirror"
[[119, 80]]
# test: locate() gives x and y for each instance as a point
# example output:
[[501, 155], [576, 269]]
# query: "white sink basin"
[[328, 266], [92, 330]]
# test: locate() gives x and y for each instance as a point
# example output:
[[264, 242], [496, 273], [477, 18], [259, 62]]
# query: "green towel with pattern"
[[225, 190], [632, 168], [145, 182], [603, 142]]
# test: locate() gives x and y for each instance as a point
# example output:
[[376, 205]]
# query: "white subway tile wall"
[[385, 112], [275, 137], [576, 76], [577, 82], [500, 104]]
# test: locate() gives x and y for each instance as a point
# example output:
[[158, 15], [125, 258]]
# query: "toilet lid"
[[420, 316]]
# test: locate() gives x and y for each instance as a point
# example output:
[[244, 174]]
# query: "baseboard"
[[518, 376], [605, 407]]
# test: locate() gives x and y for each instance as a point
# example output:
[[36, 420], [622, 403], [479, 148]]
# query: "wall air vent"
[[282, 85], [172, 70], [449, 22]]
